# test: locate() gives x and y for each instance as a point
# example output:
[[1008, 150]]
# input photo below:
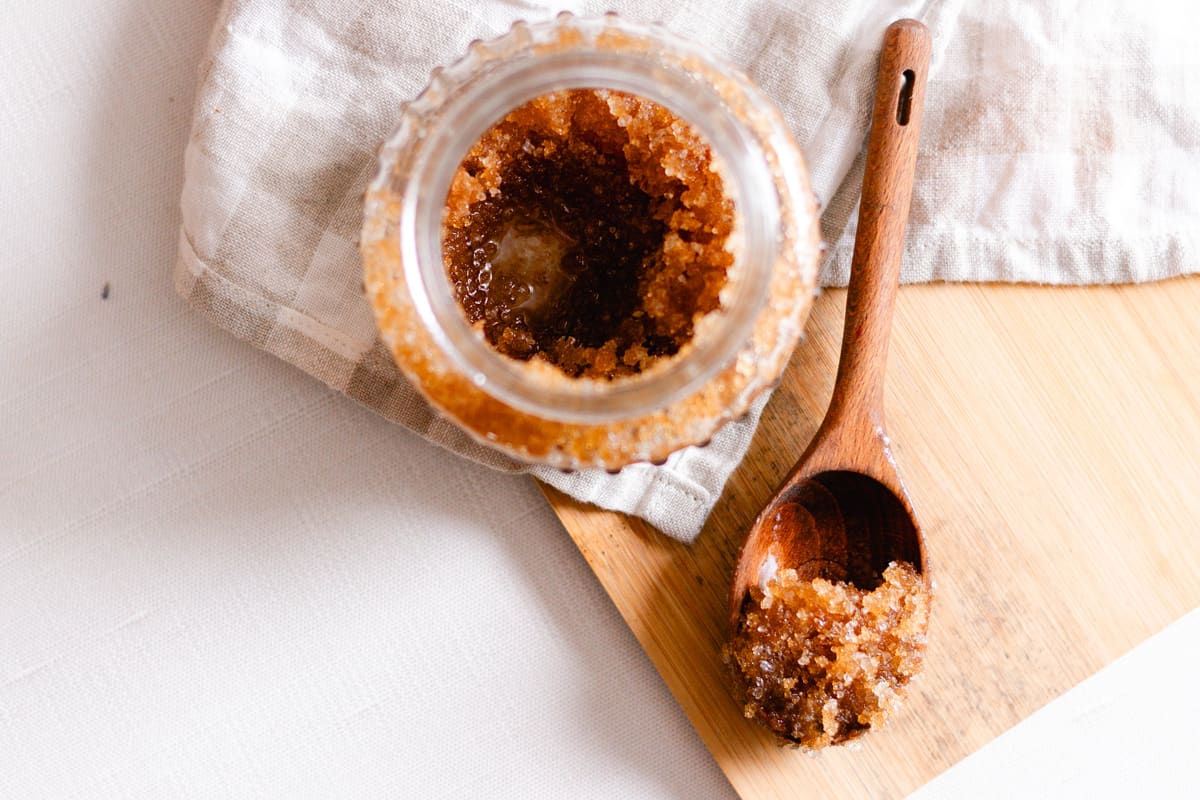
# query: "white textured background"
[[219, 579]]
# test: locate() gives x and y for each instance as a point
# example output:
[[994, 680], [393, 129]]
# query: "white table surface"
[[220, 579]]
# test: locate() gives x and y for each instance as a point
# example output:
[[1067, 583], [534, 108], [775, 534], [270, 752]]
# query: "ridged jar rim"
[[693, 415]]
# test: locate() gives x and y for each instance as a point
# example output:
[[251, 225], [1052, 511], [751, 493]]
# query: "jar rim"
[[469, 110]]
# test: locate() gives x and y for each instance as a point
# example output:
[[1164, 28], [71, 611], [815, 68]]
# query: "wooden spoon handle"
[[882, 217]]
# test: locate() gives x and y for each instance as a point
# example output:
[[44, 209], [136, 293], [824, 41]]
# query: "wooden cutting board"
[[1050, 439]]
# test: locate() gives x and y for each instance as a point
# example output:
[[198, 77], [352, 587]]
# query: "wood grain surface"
[[1050, 440]]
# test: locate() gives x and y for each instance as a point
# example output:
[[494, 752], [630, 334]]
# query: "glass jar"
[[525, 408]]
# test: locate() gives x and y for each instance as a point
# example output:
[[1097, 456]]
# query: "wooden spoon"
[[842, 513]]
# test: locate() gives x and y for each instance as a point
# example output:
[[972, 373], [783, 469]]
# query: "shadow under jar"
[[590, 243]]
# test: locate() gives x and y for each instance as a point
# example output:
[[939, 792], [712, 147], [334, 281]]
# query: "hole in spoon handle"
[[904, 104]]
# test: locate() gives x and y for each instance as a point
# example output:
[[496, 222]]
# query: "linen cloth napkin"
[[1057, 147]]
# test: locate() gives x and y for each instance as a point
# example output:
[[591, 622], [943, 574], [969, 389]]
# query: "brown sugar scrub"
[[821, 662], [590, 229], [589, 243]]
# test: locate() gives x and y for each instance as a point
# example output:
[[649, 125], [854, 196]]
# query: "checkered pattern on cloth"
[[1057, 148]]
